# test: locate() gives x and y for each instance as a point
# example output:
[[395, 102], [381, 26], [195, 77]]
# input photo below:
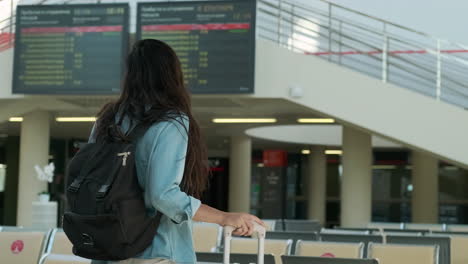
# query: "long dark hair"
[[153, 89]]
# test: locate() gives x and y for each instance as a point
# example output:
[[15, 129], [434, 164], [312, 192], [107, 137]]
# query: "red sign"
[[275, 158], [328, 255], [17, 246]]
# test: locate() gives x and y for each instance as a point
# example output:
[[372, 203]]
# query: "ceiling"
[[325, 135], [205, 109]]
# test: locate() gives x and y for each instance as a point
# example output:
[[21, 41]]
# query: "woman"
[[171, 158]]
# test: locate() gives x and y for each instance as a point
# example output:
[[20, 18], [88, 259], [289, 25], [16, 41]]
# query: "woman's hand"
[[242, 222]]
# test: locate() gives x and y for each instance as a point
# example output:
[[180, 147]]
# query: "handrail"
[[386, 22], [375, 18], [425, 67], [6, 19], [334, 31], [357, 24]]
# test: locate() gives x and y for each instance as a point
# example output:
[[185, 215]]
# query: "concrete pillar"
[[240, 161], [425, 196], [34, 149], [317, 185], [356, 182]]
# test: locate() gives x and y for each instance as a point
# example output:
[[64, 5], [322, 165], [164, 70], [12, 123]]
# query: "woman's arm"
[[166, 168], [165, 171], [241, 221]]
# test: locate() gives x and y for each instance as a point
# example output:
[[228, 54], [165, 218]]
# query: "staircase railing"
[[6, 33], [370, 45], [367, 44]]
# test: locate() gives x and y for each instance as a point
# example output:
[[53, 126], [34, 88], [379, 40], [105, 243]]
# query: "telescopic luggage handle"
[[260, 230]]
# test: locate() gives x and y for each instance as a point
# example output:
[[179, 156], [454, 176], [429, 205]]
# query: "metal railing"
[[370, 45], [367, 44], [6, 29]]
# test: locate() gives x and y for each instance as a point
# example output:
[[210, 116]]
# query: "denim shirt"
[[160, 161]]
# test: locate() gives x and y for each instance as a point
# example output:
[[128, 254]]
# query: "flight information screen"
[[214, 40], [70, 49]]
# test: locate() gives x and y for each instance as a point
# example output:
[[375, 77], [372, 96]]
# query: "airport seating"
[[319, 260], [355, 238], [377, 231], [361, 229], [457, 228], [345, 231], [64, 259], [59, 250], [329, 249], [443, 243], [295, 236], [402, 232], [24, 229], [386, 225], [279, 225], [301, 225], [458, 246], [272, 246], [430, 227], [459, 249], [22, 247], [206, 237], [403, 254], [60, 244], [270, 224]]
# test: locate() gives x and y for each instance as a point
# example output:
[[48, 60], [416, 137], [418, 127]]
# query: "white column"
[[317, 185], [240, 161], [34, 149], [356, 182], [425, 196]]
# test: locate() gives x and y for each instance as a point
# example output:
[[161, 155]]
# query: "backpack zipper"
[[124, 156]]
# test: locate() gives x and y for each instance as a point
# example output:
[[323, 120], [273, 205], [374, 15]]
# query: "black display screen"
[[70, 49], [214, 40]]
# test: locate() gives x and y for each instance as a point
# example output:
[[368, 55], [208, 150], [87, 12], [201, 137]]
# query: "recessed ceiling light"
[[243, 120], [333, 152], [316, 120], [15, 119], [305, 151], [75, 119], [384, 167], [453, 168]]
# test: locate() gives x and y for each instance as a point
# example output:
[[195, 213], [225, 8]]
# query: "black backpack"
[[107, 218]]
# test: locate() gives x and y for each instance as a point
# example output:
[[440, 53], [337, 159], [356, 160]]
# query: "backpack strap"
[[75, 185], [136, 132]]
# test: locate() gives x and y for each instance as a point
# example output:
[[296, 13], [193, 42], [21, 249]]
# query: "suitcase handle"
[[260, 230]]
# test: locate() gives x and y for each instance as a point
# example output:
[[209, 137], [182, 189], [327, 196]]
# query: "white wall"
[[6, 74]]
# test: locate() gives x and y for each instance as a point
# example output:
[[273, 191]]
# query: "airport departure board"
[[70, 49], [214, 40]]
